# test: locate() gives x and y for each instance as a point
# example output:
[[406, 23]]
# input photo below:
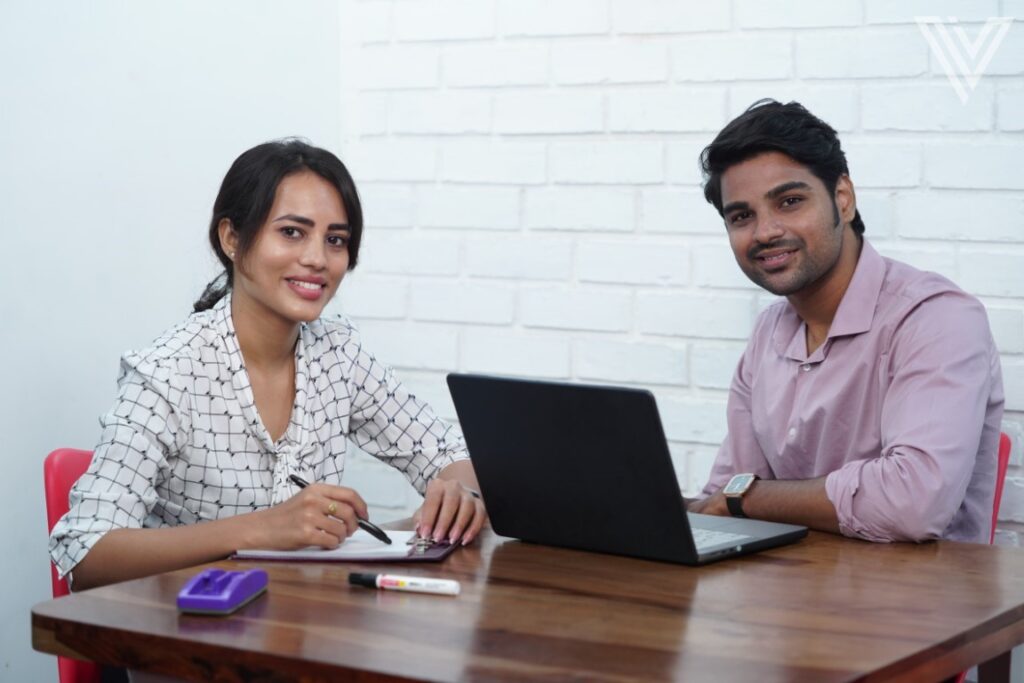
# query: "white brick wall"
[[615, 161], [489, 65], [580, 208], [576, 308], [532, 193], [626, 62]]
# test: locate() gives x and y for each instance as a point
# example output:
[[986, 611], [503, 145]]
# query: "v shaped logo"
[[963, 60]]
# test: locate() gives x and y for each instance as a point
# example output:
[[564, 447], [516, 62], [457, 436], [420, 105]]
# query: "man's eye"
[[792, 201], [739, 217]]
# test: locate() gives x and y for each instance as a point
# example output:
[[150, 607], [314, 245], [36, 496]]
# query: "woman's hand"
[[451, 512], [320, 514]]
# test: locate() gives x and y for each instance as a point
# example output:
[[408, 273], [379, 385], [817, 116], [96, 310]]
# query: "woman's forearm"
[[320, 514], [124, 554], [462, 472]]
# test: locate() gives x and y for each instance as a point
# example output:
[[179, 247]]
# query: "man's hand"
[[712, 505]]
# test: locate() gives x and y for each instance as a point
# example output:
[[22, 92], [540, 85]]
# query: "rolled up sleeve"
[[942, 368], [118, 489]]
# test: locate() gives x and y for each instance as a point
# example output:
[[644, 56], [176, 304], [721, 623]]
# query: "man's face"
[[785, 228]]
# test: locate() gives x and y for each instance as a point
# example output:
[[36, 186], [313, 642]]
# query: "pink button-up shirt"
[[900, 407]]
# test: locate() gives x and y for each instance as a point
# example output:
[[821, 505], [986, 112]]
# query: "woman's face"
[[300, 253]]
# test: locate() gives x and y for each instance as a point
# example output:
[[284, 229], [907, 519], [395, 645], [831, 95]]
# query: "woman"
[[252, 388]]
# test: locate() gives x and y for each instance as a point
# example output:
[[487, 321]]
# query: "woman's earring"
[[231, 255]]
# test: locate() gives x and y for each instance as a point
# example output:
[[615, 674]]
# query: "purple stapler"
[[216, 591]]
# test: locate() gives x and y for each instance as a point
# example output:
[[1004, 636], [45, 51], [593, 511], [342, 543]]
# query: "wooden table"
[[825, 609]]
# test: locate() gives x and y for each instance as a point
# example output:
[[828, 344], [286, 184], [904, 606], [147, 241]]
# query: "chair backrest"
[[61, 470], [1002, 463]]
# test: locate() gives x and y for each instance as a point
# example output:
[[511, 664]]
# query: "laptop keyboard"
[[707, 538]]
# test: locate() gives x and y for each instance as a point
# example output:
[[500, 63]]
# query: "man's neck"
[[817, 304]]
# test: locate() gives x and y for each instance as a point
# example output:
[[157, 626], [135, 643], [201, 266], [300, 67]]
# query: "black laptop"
[[588, 467]]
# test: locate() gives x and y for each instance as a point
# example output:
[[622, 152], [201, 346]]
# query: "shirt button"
[[806, 367], [792, 432]]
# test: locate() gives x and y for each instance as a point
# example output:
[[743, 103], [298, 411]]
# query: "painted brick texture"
[[532, 192]]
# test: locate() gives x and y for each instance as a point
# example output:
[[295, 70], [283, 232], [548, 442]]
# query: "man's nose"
[[768, 229]]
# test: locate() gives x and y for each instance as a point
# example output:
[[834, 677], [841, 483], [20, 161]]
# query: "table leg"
[[995, 669]]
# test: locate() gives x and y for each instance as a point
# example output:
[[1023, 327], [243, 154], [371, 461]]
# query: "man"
[[869, 401]]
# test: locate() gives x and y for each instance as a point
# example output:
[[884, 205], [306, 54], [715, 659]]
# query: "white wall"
[[119, 120], [529, 170]]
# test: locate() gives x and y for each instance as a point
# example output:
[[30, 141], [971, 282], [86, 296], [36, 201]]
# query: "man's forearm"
[[793, 502]]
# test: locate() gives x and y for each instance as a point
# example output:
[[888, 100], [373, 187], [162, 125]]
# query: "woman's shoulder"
[[197, 338]]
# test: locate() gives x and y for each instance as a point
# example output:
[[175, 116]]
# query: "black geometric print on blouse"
[[184, 443]]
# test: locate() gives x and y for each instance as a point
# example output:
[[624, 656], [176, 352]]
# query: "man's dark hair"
[[247, 195], [770, 126]]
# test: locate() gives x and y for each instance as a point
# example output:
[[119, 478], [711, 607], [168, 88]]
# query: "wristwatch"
[[735, 490]]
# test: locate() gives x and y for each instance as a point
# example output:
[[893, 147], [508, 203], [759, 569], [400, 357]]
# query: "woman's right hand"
[[320, 514]]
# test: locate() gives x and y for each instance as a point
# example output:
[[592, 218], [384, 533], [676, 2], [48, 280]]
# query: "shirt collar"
[[857, 309], [226, 326], [297, 431], [854, 315]]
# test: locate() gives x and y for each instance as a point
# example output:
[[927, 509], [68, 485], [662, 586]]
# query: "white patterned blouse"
[[184, 442]]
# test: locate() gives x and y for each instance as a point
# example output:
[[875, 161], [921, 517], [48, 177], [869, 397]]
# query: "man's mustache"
[[758, 249]]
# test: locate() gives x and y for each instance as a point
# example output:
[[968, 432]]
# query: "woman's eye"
[[338, 240], [291, 232]]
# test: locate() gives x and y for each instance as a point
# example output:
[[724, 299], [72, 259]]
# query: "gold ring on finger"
[[332, 508]]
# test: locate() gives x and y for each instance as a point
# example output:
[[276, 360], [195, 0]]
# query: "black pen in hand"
[[364, 524]]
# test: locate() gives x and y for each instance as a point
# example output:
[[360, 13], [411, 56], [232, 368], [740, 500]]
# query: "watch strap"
[[735, 505]]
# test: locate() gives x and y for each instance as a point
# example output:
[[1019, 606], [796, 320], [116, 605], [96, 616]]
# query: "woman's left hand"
[[450, 512]]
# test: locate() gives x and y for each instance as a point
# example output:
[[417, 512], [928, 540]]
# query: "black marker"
[[364, 524]]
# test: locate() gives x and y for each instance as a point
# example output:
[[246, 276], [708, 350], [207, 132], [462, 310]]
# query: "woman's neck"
[[266, 340]]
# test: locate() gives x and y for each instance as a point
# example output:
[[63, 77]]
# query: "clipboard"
[[406, 546]]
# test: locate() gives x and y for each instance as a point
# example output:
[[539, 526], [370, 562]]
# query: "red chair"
[[1002, 463], [61, 470]]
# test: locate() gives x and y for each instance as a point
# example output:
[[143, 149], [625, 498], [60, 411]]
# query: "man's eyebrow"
[[773, 193], [786, 187], [735, 206]]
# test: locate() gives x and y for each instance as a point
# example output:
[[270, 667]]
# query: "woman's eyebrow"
[[297, 219]]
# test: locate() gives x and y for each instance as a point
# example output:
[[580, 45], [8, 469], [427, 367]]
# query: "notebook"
[[361, 547], [588, 467]]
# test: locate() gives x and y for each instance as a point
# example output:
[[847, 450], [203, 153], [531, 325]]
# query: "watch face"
[[738, 484]]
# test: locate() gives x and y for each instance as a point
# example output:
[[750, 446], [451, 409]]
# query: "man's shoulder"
[[916, 303], [906, 287]]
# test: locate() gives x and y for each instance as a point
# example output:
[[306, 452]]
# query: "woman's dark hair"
[[770, 126], [247, 195]]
